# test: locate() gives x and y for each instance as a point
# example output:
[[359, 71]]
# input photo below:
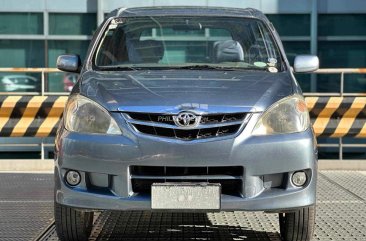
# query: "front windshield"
[[188, 42]]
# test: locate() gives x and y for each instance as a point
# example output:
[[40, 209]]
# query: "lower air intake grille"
[[230, 178]]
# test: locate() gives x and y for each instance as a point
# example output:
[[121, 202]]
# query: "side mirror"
[[306, 63], [69, 63]]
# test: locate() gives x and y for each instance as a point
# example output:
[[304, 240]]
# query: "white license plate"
[[186, 196]]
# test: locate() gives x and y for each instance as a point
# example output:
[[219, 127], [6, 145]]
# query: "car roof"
[[189, 11]]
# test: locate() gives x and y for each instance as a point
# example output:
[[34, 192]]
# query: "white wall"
[[341, 6], [267, 6]]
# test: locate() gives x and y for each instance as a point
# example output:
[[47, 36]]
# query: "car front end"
[[254, 168], [181, 119]]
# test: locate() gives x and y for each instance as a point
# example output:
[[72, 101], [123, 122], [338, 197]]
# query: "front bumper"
[[274, 201], [106, 161]]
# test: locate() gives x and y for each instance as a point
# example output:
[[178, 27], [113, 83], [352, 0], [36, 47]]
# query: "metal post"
[[314, 39], [100, 12], [46, 34], [42, 82], [342, 83], [340, 148], [42, 150]]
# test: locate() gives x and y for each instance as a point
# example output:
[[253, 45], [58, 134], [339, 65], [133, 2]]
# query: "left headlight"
[[288, 115], [85, 116]]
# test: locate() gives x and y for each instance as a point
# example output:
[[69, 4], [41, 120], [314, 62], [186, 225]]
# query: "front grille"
[[230, 178], [212, 125]]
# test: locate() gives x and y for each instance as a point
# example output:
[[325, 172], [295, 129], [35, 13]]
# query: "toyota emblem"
[[187, 120]]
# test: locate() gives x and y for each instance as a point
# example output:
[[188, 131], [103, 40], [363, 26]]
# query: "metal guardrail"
[[43, 72], [342, 72]]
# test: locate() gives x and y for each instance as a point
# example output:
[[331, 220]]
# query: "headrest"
[[150, 51], [228, 51]]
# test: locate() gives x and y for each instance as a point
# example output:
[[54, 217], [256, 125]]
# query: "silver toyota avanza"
[[186, 109]]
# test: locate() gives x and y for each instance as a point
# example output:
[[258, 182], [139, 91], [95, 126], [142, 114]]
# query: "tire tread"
[[72, 224], [298, 225]]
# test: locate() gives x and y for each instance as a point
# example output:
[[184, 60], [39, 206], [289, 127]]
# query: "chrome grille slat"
[[201, 126], [163, 125]]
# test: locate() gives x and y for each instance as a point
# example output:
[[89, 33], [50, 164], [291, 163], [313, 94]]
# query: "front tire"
[[72, 224], [298, 225]]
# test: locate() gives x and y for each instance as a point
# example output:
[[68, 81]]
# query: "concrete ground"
[[26, 213]]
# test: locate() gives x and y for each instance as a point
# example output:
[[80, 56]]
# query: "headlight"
[[288, 115], [86, 116]]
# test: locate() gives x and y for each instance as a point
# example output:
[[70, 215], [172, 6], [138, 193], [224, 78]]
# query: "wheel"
[[72, 224], [299, 225]]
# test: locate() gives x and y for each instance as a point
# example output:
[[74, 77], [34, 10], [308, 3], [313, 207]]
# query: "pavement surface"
[[26, 213]]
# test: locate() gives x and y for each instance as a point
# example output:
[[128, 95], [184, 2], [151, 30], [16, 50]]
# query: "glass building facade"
[[35, 37], [34, 32]]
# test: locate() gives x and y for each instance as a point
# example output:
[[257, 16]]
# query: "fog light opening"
[[299, 178], [73, 178]]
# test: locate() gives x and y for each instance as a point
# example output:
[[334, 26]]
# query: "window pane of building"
[[21, 53], [342, 54], [57, 82], [72, 23], [342, 24], [346, 54], [353, 83], [291, 24], [21, 23], [328, 83]]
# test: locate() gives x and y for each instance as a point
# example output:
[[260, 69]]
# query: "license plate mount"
[[186, 196]]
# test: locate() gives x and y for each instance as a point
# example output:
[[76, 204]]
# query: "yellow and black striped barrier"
[[338, 116], [38, 116]]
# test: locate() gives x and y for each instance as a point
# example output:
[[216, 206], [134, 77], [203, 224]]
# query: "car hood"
[[170, 91]]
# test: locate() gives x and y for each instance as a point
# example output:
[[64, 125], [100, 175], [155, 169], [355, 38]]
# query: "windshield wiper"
[[191, 67], [199, 67], [120, 68], [255, 68]]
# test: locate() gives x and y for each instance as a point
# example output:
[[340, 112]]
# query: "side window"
[[267, 40], [113, 50], [262, 48], [257, 51]]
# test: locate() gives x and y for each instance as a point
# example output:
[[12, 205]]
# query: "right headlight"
[[86, 116], [288, 115]]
